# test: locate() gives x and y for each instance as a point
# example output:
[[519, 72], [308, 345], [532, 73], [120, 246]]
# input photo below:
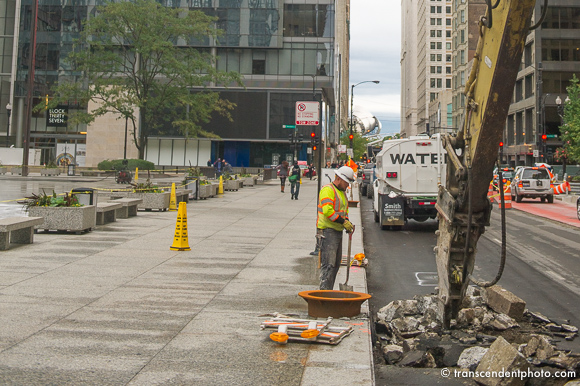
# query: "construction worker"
[[332, 220]]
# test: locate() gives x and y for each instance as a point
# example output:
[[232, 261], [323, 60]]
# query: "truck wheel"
[[370, 191], [551, 199], [376, 216], [363, 189]]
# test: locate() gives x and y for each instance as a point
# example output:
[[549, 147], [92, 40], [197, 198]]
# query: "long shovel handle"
[[348, 255]]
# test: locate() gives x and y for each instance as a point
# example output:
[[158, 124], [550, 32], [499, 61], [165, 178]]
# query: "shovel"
[[346, 287]]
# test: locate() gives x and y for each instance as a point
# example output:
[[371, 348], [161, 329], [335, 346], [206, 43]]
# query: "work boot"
[[292, 197]]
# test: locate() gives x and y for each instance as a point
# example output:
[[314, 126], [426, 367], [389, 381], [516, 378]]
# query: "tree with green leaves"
[[136, 58], [359, 144], [570, 131]]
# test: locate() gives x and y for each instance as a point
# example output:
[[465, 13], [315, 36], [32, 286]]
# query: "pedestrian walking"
[[310, 171], [332, 220], [295, 177], [218, 166], [284, 171]]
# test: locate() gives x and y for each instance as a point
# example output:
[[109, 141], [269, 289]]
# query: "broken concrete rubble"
[[502, 357], [416, 338], [470, 357], [505, 302]]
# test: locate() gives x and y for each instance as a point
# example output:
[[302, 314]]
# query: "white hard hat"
[[345, 173]]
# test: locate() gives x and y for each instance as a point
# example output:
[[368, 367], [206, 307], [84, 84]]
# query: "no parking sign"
[[307, 113]]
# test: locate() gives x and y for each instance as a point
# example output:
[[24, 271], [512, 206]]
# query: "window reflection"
[[308, 20]]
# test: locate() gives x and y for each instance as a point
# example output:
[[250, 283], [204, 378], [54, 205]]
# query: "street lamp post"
[[8, 111], [352, 105]]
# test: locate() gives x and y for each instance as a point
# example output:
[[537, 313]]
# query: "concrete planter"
[[157, 201], [3, 170], [215, 187], [250, 181], [232, 184], [16, 171], [72, 219], [205, 191], [50, 172]]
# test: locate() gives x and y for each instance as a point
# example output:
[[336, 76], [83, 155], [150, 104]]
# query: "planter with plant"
[[16, 170], [231, 182], [61, 213], [50, 170], [3, 169], [248, 179], [152, 195], [206, 189]]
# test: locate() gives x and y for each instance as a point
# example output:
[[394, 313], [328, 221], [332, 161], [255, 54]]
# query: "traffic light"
[[291, 137], [312, 135], [300, 137], [544, 137], [501, 144], [351, 137]]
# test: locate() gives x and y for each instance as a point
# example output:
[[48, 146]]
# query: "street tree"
[[359, 144], [570, 130], [137, 59]]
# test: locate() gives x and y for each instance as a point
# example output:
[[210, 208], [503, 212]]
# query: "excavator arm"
[[462, 205]]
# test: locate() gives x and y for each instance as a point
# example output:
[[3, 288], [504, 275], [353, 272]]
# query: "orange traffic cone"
[[507, 198], [180, 239], [562, 188], [490, 192]]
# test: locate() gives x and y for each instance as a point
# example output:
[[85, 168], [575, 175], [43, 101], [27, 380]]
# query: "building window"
[[439, 45], [432, 33], [439, 32], [439, 57], [439, 21], [448, 22], [433, 82], [307, 20], [448, 33], [433, 21], [433, 69], [432, 56], [258, 66], [448, 70], [447, 83], [439, 83], [432, 45], [448, 46]]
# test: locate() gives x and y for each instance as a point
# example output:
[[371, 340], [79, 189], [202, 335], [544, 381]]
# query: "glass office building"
[[285, 50]]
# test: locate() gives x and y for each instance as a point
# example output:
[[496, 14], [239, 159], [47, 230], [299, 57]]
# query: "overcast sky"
[[375, 47]]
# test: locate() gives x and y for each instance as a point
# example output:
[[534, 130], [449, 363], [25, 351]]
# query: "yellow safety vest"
[[332, 204]]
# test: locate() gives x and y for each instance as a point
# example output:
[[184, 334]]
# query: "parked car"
[[507, 174], [532, 182]]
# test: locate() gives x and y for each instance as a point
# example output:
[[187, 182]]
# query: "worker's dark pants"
[[330, 257]]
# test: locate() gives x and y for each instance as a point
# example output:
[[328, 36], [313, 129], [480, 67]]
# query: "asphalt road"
[[541, 267]]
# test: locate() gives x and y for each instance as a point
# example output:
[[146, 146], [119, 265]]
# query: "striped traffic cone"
[[507, 198], [562, 188], [490, 192]]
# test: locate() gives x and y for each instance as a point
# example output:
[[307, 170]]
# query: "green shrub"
[[132, 164]]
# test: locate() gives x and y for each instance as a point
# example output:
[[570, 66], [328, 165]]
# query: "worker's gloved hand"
[[348, 226]]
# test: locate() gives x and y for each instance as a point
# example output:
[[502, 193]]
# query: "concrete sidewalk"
[[116, 306]]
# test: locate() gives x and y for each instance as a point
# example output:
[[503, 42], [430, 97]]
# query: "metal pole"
[[30, 91], [125, 148], [351, 108], [8, 111]]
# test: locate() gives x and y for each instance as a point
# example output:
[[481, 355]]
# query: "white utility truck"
[[408, 174]]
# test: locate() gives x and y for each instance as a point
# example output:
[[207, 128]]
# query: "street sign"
[[288, 126], [536, 153], [551, 135], [307, 113], [342, 148]]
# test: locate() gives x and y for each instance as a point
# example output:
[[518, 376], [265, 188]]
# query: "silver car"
[[532, 182]]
